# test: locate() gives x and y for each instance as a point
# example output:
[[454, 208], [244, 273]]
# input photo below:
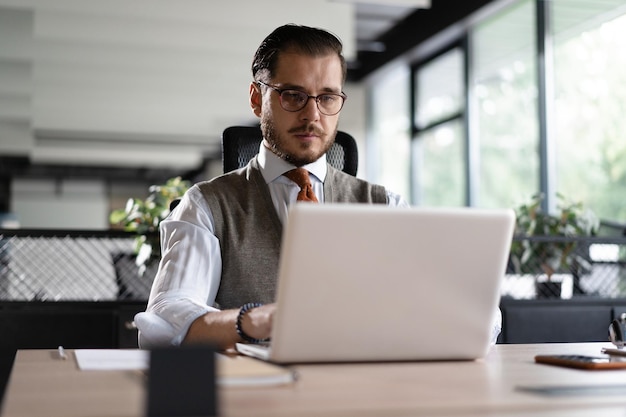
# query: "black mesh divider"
[[71, 265]]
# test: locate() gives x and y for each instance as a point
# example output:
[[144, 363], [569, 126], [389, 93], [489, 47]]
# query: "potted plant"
[[546, 242], [143, 218]]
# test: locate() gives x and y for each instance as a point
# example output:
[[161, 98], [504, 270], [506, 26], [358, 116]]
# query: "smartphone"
[[582, 361]]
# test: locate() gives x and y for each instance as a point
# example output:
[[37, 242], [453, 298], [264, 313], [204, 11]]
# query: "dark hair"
[[308, 40]]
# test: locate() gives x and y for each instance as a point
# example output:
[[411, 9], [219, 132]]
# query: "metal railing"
[[566, 267], [67, 265]]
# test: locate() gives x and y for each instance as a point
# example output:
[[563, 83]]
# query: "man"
[[220, 246]]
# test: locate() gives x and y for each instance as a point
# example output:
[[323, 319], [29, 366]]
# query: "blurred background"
[[479, 103]]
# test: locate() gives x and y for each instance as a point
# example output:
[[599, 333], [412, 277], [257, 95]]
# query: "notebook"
[[387, 284]]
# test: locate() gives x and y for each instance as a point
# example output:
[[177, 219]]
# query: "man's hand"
[[257, 322]]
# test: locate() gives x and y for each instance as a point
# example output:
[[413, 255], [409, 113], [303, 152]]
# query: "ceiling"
[[372, 20], [149, 83]]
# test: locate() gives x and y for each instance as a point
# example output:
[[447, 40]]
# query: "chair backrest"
[[241, 143]]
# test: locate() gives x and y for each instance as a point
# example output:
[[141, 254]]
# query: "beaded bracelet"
[[242, 312]]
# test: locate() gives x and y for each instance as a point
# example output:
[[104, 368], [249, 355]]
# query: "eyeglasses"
[[617, 331], [328, 104]]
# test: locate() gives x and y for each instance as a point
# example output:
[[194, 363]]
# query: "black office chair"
[[241, 143]]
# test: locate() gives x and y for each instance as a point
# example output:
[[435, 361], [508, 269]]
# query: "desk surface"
[[42, 384]]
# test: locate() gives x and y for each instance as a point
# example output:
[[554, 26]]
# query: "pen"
[[62, 354], [614, 352]]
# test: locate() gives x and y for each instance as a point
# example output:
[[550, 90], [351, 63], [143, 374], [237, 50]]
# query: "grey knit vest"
[[249, 230]]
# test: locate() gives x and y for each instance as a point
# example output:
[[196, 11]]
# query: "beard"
[[278, 144]]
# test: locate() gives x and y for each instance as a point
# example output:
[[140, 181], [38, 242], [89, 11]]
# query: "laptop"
[[387, 284]]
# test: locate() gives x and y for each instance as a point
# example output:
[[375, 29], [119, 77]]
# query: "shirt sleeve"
[[188, 277], [396, 200], [497, 326]]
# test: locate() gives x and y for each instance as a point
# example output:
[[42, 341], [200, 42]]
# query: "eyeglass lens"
[[617, 330], [294, 100]]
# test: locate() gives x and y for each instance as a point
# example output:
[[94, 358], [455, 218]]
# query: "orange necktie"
[[301, 177]]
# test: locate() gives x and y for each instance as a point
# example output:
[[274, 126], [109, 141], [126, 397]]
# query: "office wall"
[[61, 204]]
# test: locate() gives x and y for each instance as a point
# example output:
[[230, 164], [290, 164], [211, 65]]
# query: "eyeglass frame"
[[280, 91]]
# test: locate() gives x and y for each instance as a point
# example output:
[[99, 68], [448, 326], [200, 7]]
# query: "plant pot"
[[131, 283], [548, 289]]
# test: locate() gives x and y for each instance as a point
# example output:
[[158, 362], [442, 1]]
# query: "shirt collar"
[[273, 166]]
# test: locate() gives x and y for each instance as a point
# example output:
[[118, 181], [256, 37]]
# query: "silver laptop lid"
[[374, 283]]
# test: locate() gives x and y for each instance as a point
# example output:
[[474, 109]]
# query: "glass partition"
[[438, 147], [590, 91], [439, 166], [388, 141], [506, 124]]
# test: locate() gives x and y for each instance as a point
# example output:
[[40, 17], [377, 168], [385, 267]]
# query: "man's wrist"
[[239, 323]]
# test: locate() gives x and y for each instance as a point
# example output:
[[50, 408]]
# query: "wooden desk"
[[42, 384]]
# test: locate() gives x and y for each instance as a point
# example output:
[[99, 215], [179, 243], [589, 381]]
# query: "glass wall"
[[388, 141], [480, 134], [590, 105], [506, 124], [438, 147], [438, 166]]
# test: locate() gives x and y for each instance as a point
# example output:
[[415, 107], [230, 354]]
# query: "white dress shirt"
[[189, 275]]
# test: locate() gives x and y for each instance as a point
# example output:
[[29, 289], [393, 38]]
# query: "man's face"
[[303, 136]]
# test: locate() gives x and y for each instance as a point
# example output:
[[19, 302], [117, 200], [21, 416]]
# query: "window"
[[506, 126], [590, 109], [492, 143], [388, 137], [438, 148], [439, 166]]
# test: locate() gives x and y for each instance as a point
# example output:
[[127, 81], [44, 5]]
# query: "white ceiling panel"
[[150, 71]]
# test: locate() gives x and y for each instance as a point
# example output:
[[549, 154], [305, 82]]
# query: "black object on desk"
[[181, 382], [7, 356]]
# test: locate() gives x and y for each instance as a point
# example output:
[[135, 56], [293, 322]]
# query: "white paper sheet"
[[112, 359], [254, 373]]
